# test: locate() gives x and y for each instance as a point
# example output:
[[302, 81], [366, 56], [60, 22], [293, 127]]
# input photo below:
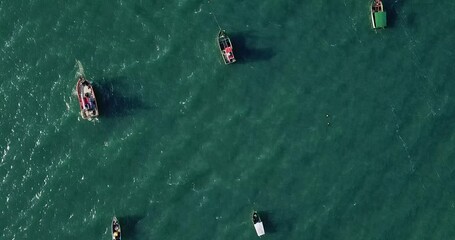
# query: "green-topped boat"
[[378, 16]]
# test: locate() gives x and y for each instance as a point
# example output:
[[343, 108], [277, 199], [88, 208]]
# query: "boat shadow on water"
[[286, 223], [244, 51], [393, 9], [269, 226], [128, 225], [115, 99]]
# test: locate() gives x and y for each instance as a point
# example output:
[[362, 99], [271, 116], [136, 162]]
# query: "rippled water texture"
[[330, 129]]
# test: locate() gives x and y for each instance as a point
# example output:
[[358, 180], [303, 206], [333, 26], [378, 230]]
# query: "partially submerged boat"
[[225, 45], [378, 15], [257, 222], [87, 99], [116, 232]]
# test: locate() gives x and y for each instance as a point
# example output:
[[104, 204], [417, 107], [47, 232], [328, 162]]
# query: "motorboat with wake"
[[257, 222], [226, 49], [378, 15], [116, 232]]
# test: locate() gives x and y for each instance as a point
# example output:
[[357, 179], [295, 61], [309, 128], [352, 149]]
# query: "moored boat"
[[116, 232], [378, 15], [257, 222], [226, 49], [87, 99]]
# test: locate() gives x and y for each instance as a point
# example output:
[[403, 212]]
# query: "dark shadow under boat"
[[285, 225], [393, 8], [129, 225], [246, 50], [271, 228], [115, 99]]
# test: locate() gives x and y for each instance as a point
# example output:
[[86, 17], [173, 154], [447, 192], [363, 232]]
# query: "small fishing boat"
[[257, 222], [225, 46], [116, 233], [87, 99], [378, 15]]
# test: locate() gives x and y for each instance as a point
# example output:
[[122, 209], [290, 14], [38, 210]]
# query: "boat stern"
[[259, 228], [380, 19]]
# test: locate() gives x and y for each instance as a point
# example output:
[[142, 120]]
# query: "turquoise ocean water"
[[331, 130]]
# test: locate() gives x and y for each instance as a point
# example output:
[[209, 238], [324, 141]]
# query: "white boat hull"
[[259, 228]]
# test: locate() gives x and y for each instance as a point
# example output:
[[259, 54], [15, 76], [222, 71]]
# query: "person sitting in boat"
[[87, 101], [116, 231], [92, 102], [255, 218], [228, 53]]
